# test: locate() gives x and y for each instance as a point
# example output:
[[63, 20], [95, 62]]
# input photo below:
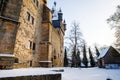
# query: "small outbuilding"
[[109, 58]]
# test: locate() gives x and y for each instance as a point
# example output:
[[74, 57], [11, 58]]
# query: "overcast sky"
[[92, 15]]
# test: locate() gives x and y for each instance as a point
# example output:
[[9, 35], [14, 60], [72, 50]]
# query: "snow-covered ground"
[[90, 74], [25, 72], [68, 74]]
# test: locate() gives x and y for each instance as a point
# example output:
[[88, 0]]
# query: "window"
[[1, 2], [28, 16], [54, 54], [33, 46], [16, 60], [36, 3]]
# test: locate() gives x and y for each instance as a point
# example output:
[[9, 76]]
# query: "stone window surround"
[[30, 18]]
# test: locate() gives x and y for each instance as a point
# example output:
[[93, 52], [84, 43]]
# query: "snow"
[[7, 55], [55, 15], [25, 72], [90, 74], [68, 74], [103, 52]]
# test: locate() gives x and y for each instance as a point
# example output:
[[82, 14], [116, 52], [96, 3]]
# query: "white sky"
[[92, 15]]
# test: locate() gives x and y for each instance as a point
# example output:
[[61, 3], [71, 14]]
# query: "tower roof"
[[54, 7], [55, 3], [55, 12], [60, 11]]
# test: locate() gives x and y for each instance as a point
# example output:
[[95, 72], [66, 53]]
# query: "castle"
[[31, 35]]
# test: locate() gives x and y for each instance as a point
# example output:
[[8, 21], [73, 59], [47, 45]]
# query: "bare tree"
[[114, 22], [74, 40]]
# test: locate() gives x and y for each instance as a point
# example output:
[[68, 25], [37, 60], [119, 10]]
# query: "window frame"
[[28, 16], [32, 19]]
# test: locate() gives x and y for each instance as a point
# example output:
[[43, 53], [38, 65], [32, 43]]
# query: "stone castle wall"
[[8, 30], [9, 12], [56, 43], [11, 9], [29, 33], [26, 31]]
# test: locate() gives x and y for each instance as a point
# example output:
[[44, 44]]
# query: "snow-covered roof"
[[55, 15], [103, 53], [6, 55]]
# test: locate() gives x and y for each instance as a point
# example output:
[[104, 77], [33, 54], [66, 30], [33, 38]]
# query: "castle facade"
[[31, 35]]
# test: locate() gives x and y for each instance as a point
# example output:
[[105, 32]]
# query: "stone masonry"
[[27, 33]]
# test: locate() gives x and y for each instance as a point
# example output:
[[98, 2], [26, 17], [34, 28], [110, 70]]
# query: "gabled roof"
[[103, 52], [112, 51]]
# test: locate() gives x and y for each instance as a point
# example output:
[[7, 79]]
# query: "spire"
[[55, 3], [64, 23], [60, 11], [54, 7], [60, 14], [54, 12]]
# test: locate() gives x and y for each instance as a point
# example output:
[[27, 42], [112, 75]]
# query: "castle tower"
[[53, 43]]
